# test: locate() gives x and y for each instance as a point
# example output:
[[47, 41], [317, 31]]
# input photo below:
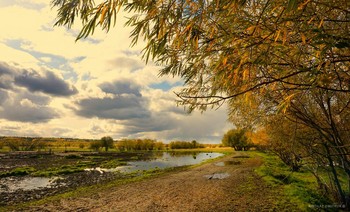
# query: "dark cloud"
[[23, 113], [49, 84], [27, 107], [3, 96], [22, 103], [119, 108], [126, 102], [155, 123], [6, 76], [121, 87]]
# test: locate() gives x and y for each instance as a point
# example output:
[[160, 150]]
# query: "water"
[[167, 160], [163, 160], [26, 183]]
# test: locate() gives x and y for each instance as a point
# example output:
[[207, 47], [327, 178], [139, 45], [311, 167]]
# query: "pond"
[[167, 160]]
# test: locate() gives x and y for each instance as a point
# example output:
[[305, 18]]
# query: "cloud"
[[121, 87], [3, 96], [157, 122], [45, 81], [26, 107], [25, 96], [124, 102], [28, 113], [127, 62], [49, 83], [119, 108]]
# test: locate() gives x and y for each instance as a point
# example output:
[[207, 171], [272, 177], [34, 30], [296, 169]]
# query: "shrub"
[[95, 146], [237, 139], [81, 146]]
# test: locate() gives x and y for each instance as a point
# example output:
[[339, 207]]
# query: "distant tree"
[[107, 142], [95, 145], [237, 139], [81, 146], [194, 144]]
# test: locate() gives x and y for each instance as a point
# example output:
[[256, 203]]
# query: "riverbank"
[[227, 184]]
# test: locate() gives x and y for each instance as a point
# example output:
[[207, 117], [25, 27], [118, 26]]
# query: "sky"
[[52, 86]]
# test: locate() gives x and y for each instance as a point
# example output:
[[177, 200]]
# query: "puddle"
[[167, 160], [218, 176], [12, 184], [228, 163], [102, 170]]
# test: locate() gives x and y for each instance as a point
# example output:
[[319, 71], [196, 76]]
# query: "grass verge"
[[299, 188]]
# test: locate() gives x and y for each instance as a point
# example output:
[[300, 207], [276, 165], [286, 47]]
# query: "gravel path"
[[196, 189]]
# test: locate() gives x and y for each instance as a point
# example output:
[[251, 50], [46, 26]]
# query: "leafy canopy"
[[229, 48]]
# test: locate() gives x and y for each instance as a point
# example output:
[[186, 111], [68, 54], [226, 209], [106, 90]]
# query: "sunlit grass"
[[299, 188]]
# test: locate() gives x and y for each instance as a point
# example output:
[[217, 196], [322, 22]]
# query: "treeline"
[[105, 143], [40, 143], [185, 145], [139, 144]]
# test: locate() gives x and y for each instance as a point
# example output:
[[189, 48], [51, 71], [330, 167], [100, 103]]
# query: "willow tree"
[[262, 54]]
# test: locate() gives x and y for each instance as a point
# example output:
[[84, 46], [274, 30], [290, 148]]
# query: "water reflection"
[[12, 184], [167, 160]]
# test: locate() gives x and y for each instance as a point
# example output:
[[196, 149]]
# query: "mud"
[[62, 183]]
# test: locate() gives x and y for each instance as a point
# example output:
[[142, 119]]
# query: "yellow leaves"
[[285, 33], [251, 28], [248, 98], [311, 19], [303, 38], [103, 13], [224, 61], [302, 5], [321, 23], [285, 103], [245, 74], [161, 32], [278, 32]]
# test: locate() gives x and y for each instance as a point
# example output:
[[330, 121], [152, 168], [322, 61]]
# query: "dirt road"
[[195, 189]]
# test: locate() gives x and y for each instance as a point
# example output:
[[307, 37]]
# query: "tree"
[[268, 56], [106, 142], [224, 49], [237, 139]]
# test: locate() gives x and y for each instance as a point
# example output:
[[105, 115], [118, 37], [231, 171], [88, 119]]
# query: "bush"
[[24, 144], [237, 139], [95, 146]]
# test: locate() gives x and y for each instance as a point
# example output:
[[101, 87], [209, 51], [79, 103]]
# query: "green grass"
[[112, 164], [20, 171], [299, 188]]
